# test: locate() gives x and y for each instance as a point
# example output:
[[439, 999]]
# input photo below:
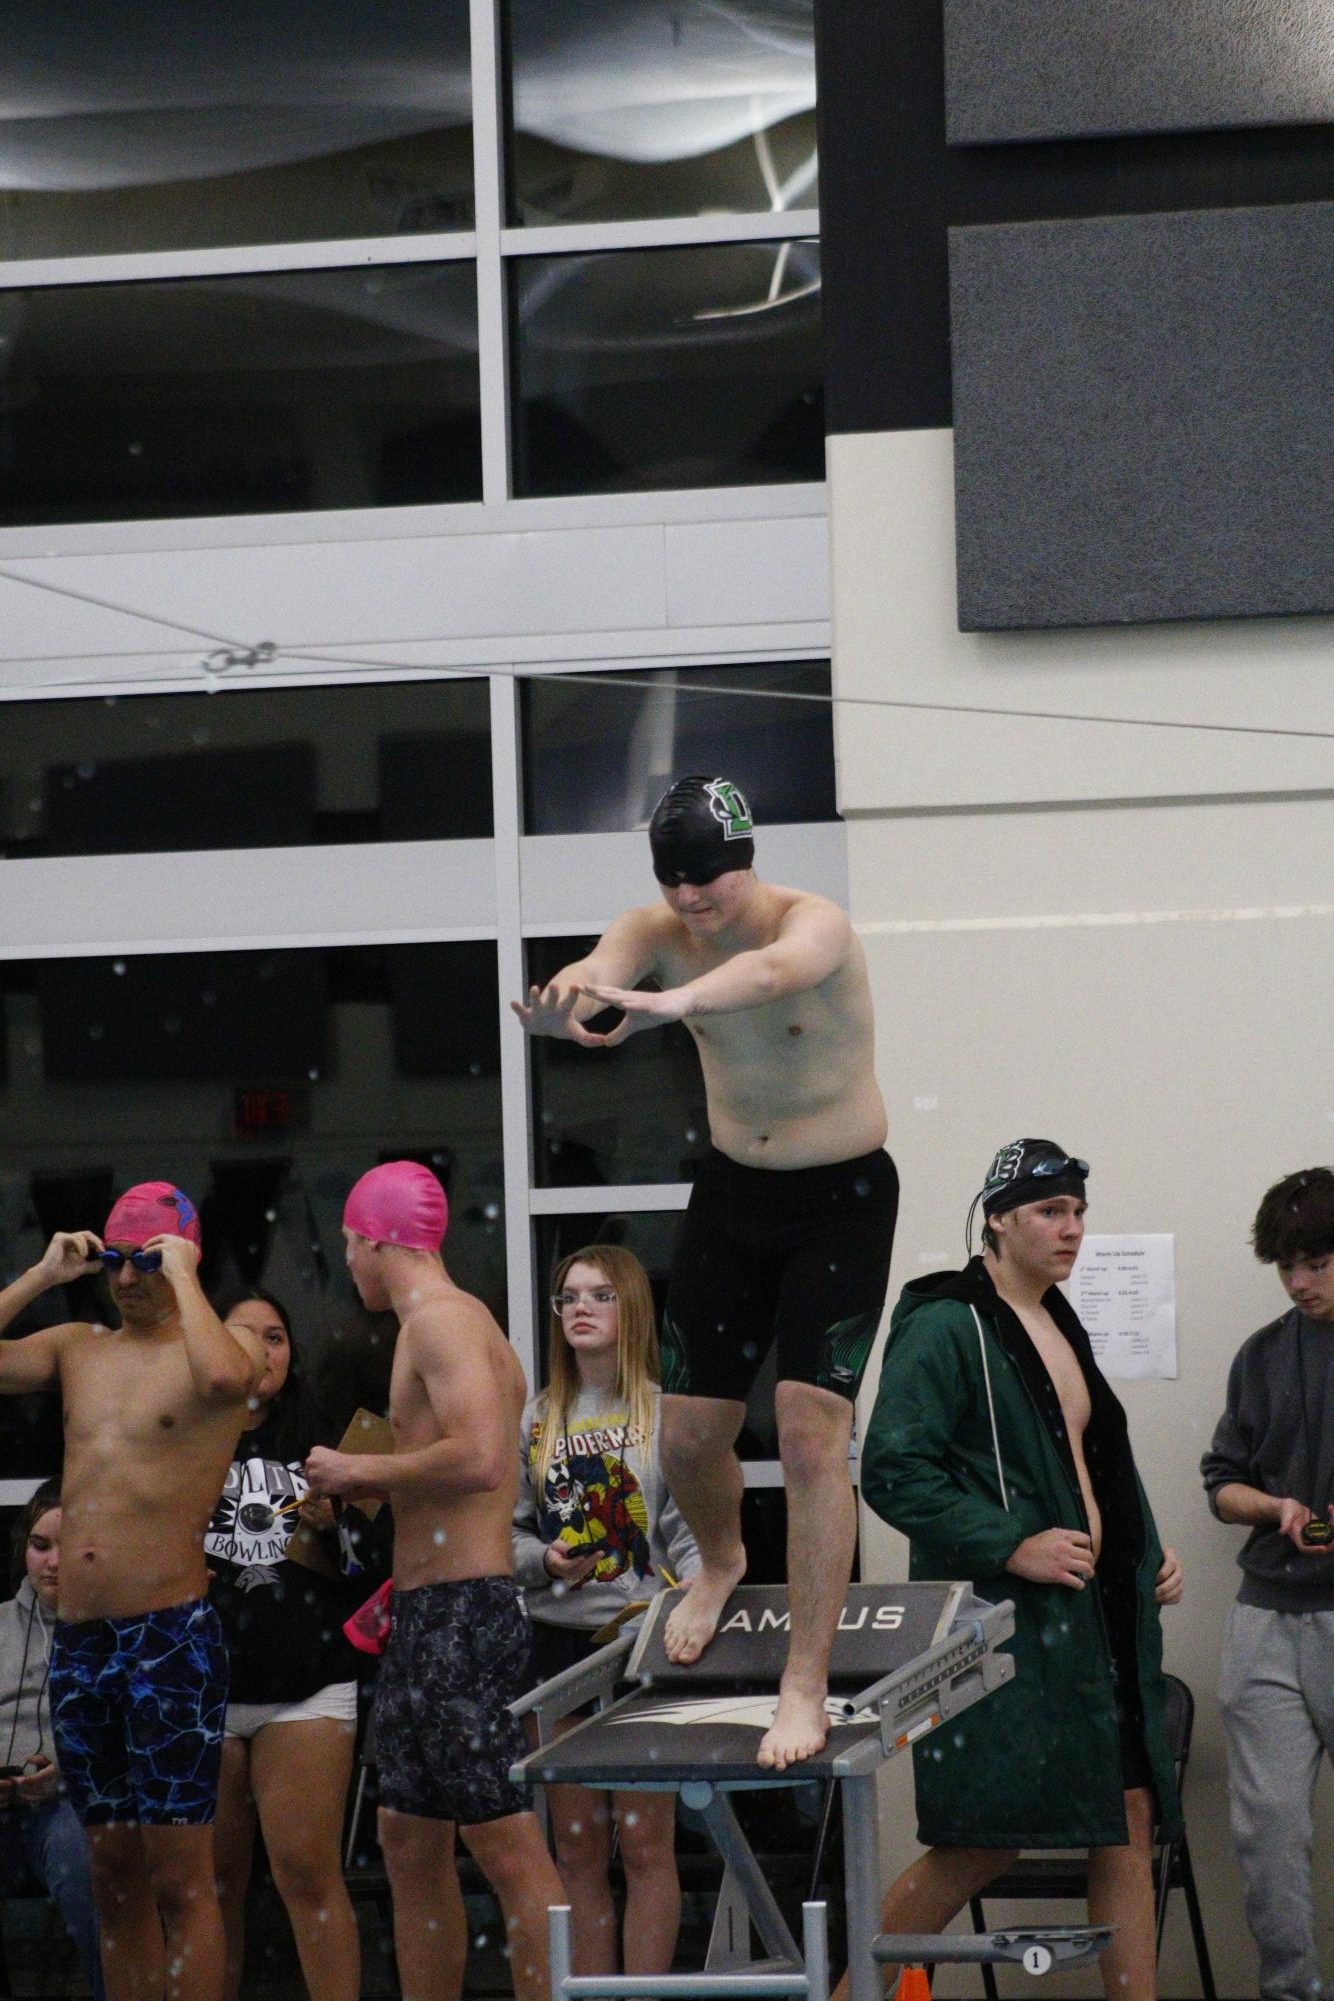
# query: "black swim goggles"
[[1041, 1170], [141, 1260]]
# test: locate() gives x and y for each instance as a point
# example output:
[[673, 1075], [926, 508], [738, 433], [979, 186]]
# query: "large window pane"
[[600, 751], [600, 1117], [264, 1084], [626, 108], [245, 768], [668, 368], [161, 126], [255, 394]]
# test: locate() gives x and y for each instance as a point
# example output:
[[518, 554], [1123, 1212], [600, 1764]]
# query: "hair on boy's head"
[[1296, 1218]]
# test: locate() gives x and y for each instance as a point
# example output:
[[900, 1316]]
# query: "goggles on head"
[[1050, 1165]]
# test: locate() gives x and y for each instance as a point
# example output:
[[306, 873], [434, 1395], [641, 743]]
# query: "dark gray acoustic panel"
[[1058, 69], [1144, 417]]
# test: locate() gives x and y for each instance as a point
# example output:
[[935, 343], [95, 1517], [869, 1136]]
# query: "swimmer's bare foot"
[[799, 1730], [694, 1617]]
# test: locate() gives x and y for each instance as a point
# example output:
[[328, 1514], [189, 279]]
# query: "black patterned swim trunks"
[[444, 1737]]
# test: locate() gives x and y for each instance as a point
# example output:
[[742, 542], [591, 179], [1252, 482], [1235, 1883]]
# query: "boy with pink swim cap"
[[444, 1737], [152, 1412], [399, 1203]]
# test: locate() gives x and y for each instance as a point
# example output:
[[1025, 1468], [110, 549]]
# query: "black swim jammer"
[[798, 1256]]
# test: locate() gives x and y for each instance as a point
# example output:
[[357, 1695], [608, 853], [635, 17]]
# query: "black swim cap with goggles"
[[1027, 1170], [700, 829]]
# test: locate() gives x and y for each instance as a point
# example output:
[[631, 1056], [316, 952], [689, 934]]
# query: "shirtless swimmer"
[[444, 1737], [138, 1667], [791, 1218]]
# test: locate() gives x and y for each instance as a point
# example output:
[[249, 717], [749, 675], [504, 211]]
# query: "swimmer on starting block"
[[444, 1737], [791, 1218], [138, 1667]]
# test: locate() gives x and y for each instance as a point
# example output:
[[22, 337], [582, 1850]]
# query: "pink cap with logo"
[[399, 1203], [152, 1209]]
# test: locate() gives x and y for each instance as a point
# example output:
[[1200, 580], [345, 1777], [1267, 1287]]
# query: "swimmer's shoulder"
[[803, 914], [78, 1337], [453, 1315], [651, 926]]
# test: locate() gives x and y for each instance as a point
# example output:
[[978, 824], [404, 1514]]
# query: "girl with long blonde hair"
[[595, 1533]]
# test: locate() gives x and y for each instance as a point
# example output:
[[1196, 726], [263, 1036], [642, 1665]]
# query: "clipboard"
[[365, 1433]]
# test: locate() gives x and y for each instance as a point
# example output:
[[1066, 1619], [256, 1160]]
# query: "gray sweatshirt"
[[25, 1657], [1277, 1434], [604, 1488]]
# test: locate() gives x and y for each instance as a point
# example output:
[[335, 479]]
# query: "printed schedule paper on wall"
[[1124, 1290]]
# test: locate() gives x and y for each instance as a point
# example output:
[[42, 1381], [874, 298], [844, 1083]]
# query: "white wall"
[[1147, 981]]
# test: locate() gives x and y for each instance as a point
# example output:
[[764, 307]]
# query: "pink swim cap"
[[399, 1203], [152, 1209]]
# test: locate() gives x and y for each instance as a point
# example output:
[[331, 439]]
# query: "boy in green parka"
[[998, 1449]]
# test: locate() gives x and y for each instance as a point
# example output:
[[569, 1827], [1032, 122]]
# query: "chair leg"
[[1162, 1889], [980, 1925], [1197, 1931]]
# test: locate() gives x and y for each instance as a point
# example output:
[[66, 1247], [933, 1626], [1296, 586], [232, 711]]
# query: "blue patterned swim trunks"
[[137, 1706]]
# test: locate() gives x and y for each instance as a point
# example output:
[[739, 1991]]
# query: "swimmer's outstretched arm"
[[225, 1363], [34, 1362], [814, 940], [625, 952], [475, 1450]]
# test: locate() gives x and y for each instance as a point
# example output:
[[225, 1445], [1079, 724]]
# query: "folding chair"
[[1054, 1877]]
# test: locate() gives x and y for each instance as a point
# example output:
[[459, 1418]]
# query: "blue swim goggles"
[[141, 1260]]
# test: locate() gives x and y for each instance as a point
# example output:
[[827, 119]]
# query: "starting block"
[[907, 1658]]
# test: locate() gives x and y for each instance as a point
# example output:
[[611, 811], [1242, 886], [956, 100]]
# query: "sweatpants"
[[1276, 1688]]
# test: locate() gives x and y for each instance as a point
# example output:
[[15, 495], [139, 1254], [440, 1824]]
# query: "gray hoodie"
[[1276, 1435], [605, 1489], [25, 1663]]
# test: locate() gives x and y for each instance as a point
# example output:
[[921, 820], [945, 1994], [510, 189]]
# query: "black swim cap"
[[1030, 1170], [700, 829]]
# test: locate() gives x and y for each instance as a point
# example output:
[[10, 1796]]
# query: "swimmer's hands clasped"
[[551, 1011], [1065, 1556]]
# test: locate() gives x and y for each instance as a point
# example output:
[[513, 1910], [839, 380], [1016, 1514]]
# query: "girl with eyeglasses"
[[596, 1532]]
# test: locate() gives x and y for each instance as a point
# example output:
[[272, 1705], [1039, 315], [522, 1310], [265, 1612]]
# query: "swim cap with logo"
[[1030, 1170], [400, 1203], [152, 1209], [700, 829], [1027, 1170]]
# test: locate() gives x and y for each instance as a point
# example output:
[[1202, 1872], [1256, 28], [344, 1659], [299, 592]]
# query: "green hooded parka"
[[1038, 1763]]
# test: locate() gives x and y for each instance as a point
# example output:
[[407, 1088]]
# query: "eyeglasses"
[[602, 1295], [141, 1260]]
